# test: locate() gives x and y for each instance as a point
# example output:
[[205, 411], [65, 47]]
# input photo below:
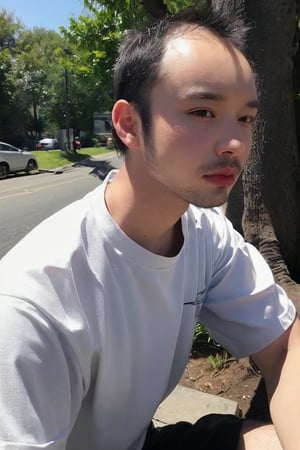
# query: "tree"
[[92, 46], [94, 39], [9, 29], [28, 66], [35, 69]]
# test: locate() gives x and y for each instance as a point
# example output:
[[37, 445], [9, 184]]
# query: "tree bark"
[[275, 135]]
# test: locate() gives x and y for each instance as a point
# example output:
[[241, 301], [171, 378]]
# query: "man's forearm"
[[284, 392]]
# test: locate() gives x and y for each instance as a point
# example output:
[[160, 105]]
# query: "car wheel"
[[4, 170], [31, 165]]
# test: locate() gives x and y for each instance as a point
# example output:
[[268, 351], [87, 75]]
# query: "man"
[[99, 303]]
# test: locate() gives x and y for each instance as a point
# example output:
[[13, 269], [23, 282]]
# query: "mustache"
[[232, 163]]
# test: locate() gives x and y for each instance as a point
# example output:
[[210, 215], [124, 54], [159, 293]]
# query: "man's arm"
[[279, 363], [41, 386]]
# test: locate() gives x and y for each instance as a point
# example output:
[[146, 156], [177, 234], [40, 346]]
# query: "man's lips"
[[224, 177]]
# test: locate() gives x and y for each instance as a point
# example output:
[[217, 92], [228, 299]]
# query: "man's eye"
[[247, 119], [201, 113]]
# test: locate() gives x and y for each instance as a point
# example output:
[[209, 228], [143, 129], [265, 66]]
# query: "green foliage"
[[9, 29], [92, 41], [27, 68], [174, 6], [218, 360], [204, 345]]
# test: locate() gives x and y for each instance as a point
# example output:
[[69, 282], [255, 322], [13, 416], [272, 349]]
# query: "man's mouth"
[[223, 177]]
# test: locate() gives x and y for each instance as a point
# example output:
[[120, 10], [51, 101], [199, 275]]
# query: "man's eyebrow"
[[214, 96], [253, 104], [202, 95]]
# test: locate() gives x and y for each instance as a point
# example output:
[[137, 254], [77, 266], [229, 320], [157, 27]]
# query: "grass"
[[204, 345], [52, 159]]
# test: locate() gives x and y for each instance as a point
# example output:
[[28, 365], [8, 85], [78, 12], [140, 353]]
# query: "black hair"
[[137, 67]]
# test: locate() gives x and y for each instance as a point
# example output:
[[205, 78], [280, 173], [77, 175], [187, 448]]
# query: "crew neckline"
[[121, 242]]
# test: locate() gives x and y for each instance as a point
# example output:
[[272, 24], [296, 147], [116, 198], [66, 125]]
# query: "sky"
[[50, 14]]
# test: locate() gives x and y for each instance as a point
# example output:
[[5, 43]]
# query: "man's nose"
[[233, 140]]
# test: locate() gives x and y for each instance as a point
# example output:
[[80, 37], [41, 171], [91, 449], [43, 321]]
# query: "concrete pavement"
[[186, 404]]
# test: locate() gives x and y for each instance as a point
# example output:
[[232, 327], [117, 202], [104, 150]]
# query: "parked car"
[[13, 159], [47, 144]]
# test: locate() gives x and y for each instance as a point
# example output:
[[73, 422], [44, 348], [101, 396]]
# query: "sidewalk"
[[189, 405]]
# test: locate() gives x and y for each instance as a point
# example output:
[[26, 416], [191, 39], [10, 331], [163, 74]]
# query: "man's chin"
[[211, 204]]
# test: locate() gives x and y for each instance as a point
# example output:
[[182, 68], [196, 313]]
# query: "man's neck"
[[148, 219]]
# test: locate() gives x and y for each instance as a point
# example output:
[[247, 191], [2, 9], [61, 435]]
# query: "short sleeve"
[[244, 310], [41, 386]]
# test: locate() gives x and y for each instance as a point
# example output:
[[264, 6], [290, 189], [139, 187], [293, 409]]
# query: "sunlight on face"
[[203, 107]]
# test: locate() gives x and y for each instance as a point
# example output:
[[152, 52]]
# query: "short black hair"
[[137, 67]]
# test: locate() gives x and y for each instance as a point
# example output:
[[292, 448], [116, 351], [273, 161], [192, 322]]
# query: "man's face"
[[202, 110]]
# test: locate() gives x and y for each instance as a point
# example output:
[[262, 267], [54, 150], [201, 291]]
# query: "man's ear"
[[127, 123]]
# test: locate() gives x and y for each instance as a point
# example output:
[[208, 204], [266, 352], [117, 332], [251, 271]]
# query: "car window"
[[8, 148]]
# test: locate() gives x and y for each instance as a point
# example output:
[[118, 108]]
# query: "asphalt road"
[[26, 200]]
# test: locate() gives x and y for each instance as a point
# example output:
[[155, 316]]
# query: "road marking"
[[5, 197], [25, 186]]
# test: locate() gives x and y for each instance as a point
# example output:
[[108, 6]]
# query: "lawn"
[[52, 159]]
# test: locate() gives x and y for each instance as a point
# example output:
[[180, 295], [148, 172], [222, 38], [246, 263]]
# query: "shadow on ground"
[[100, 168], [259, 407]]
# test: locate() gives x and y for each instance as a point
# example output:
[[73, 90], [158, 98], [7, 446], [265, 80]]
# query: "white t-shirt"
[[96, 330]]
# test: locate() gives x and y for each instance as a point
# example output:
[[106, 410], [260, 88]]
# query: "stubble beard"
[[200, 199], [205, 198]]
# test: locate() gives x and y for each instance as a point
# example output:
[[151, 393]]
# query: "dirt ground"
[[237, 380]]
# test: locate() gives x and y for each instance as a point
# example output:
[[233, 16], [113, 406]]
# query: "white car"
[[47, 144], [12, 160]]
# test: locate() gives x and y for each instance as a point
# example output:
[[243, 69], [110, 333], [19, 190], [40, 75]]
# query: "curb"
[[55, 171]]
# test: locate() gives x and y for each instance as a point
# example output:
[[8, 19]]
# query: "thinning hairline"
[[206, 33]]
